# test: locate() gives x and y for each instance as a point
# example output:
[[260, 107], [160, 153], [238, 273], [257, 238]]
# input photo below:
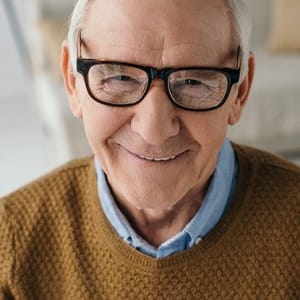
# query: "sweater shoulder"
[[266, 160], [271, 181], [54, 185], [37, 217]]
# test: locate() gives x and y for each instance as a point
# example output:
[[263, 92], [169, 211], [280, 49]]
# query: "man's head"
[[154, 153]]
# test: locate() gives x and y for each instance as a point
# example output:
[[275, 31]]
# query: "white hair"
[[241, 20]]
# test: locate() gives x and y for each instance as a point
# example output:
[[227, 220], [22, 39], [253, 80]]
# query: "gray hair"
[[241, 23]]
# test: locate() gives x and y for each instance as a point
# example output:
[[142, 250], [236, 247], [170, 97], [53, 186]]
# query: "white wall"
[[12, 76], [26, 151]]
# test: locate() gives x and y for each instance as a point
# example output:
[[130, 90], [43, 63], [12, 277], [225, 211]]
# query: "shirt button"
[[198, 240]]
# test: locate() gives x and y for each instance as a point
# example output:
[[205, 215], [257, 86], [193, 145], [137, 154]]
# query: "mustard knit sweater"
[[55, 242]]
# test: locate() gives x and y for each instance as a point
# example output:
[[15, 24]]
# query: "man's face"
[[154, 154]]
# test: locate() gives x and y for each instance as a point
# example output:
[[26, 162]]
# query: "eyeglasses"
[[123, 84]]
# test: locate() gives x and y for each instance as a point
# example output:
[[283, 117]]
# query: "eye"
[[192, 82], [122, 78], [120, 83]]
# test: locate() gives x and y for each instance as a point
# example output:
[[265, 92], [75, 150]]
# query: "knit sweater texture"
[[55, 242]]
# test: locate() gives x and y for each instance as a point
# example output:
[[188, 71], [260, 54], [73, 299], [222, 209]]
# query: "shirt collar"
[[217, 195]]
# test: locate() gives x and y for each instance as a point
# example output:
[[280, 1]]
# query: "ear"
[[69, 78], [243, 92]]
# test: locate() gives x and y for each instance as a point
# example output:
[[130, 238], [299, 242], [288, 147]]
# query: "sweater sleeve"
[[6, 253]]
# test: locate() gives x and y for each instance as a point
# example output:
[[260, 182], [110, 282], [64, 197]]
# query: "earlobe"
[[70, 81], [242, 93]]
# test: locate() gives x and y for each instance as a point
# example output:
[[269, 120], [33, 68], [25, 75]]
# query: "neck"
[[158, 225]]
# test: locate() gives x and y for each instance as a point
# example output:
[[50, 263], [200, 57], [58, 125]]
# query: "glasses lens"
[[198, 88], [116, 83]]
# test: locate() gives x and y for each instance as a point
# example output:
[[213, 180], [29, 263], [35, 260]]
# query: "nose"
[[155, 118]]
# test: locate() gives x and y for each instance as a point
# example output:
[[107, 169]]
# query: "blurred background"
[[38, 133]]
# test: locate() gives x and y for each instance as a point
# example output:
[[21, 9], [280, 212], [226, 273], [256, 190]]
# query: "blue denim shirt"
[[215, 202]]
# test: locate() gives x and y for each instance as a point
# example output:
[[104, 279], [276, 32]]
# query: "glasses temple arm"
[[79, 43], [239, 57]]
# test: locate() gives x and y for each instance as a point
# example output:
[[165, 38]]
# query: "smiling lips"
[[153, 158], [157, 159]]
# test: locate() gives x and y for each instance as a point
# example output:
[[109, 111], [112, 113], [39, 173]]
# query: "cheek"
[[209, 133], [208, 128], [101, 122]]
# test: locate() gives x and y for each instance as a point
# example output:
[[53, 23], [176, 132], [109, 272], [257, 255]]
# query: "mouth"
[[155, 158]]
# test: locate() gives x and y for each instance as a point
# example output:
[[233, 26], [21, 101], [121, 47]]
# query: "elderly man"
[[167, 208]]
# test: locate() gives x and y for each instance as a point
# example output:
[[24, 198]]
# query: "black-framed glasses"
[[123, 84]]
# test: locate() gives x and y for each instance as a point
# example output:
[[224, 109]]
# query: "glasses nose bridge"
[[158, 74]]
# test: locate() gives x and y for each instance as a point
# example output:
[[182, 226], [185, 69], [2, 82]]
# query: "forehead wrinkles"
[[126, 32], [156, 52], [109, 46]]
